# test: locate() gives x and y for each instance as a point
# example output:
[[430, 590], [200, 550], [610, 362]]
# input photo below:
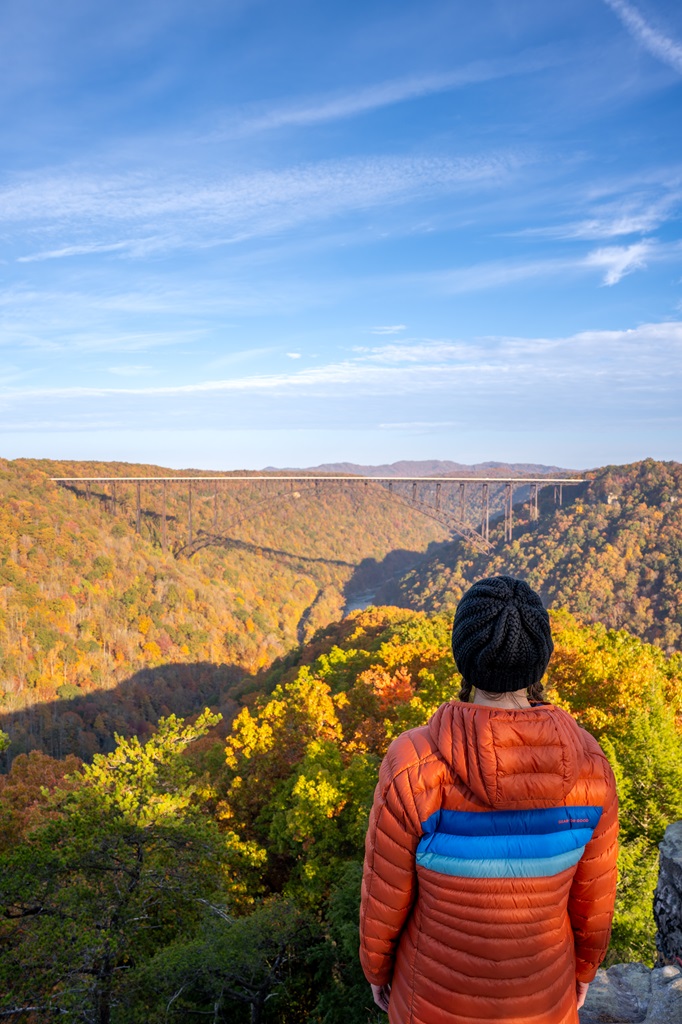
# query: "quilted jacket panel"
[[490, 867]]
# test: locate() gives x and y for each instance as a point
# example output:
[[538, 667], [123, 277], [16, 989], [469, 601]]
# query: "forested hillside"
[[193, 876], [103, 631], [612, 553], [86, 602], [211, 867]]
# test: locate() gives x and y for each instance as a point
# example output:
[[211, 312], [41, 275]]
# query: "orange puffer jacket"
[[490, 867]]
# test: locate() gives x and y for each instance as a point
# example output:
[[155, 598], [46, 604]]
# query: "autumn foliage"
[[87, 602], [612, 553], [187, 866]]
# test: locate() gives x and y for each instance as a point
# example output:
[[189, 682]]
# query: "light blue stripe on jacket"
[[530, 867]]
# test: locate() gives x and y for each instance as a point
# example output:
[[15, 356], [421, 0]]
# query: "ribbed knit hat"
[[501, 639]]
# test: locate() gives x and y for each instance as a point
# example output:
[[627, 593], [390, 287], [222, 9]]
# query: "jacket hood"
[[510, 758]]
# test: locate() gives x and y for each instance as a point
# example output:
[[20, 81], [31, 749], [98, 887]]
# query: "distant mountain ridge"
[[431, 467]]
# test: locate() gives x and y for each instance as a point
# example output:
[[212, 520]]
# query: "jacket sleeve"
[[593, 892], [389, 880]]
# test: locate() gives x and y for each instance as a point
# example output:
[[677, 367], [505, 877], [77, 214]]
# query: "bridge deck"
[[346, 479]]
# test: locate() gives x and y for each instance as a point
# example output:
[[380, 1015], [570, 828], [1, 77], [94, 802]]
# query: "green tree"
[[237, 969], [120, 866], [647, 761], [343, 993]]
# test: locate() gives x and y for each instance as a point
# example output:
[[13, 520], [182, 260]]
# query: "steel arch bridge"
[[440, 498]]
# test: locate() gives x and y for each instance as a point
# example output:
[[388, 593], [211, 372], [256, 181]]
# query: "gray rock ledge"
[[668, 896], [634, 994]]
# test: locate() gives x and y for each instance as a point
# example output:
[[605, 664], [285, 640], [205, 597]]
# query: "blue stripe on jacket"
[[495, 823], [506, 844]]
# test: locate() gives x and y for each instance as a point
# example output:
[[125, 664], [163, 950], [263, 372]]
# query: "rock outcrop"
[[634, 993], [668, 897]]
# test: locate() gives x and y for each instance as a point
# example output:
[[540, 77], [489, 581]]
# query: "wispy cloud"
[[154, 313], [72, 197], [395, 329], [499, 274], [77, 322], [342, 105], [151, 313], [629, 221], [168, 212], [76, 250], [423, 350], [656, 42], [619, 260], [634, 215], [615, 261], [645, 357]]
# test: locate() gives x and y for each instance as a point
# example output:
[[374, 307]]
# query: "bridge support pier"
[[164, 535], [508, 507], [215, 506], [438, 487], [113, 497], [138, 511], [485, 526], [533, 501], [189, 513], [414, 490], [462, 488]]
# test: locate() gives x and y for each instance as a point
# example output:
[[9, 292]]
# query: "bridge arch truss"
[[443, 499]]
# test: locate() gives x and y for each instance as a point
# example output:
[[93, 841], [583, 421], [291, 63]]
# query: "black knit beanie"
[[501, 637]]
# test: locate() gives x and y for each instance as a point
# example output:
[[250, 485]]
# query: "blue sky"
[[244, 232]]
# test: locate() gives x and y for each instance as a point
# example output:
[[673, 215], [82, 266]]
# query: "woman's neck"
[[510, 700]]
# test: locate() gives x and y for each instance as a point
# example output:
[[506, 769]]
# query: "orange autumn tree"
[[302, 762], [605, 677]]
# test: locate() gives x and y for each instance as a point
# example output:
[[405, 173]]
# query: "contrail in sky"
[[658, 44]]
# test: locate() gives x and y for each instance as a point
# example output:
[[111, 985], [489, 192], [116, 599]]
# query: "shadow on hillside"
[[85, 725], [371, 575], [205, 540], [108, 504]]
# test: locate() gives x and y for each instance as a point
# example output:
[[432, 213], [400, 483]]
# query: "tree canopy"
[[612, 553]]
